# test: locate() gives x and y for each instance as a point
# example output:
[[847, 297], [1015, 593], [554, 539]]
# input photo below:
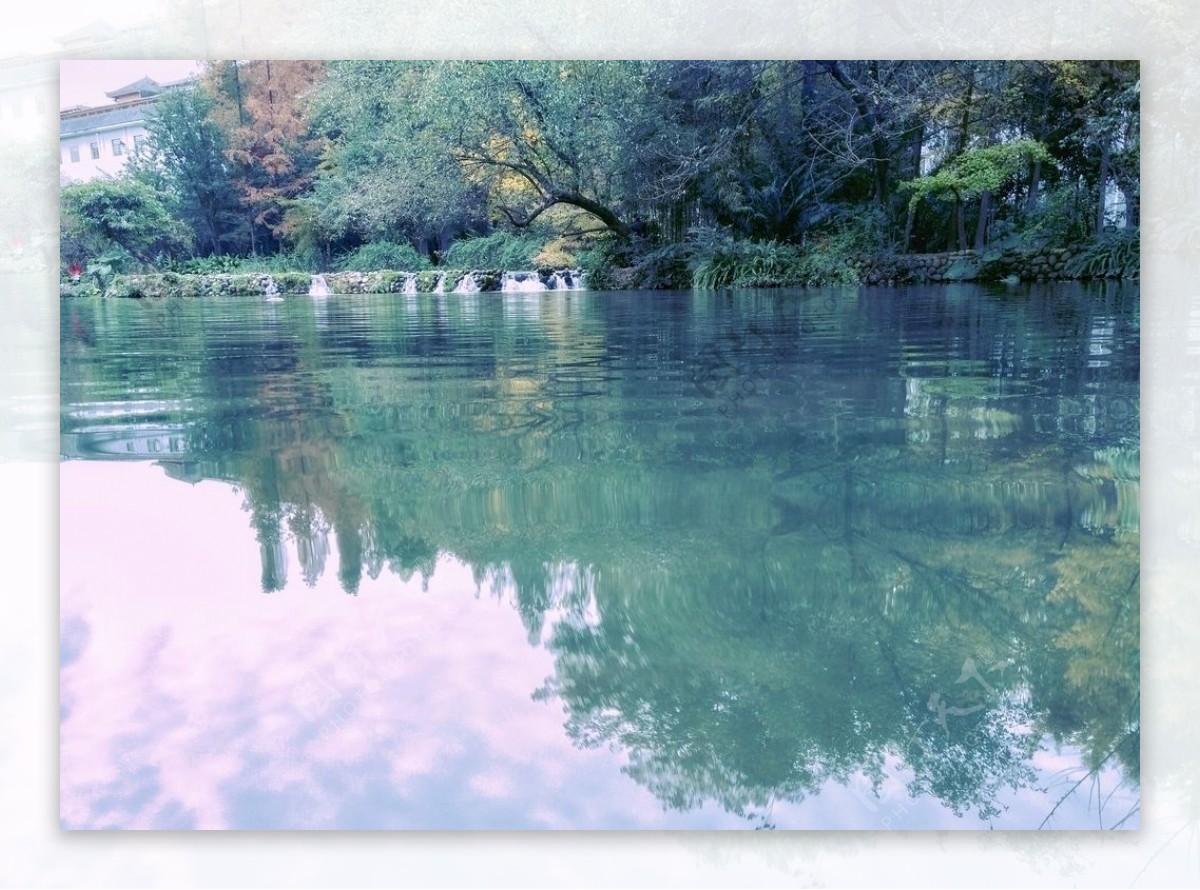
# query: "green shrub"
[[499, 250], [122, 214], [829, 261], [668, 266], [383, 255], [293, 282], [602, 259], [299, 260], [114, 261], [207, 265], [427, 281], [1114, 254], [1063, 216]]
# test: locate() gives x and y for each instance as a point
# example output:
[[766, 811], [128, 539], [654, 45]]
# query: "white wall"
[[107, 164], [24, 110]]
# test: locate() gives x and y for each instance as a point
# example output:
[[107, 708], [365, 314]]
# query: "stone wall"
[[1040, 264], [257, 284]]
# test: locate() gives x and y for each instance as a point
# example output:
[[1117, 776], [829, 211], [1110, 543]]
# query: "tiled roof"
[[87, 123], [145, 85]]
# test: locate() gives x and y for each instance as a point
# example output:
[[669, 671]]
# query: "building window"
[[95, 146], [74, 154], [118, 147], [138, 142]]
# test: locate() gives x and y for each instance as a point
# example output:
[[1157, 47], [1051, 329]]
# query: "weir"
[[542, 280], [276, 286], [467, 285], [319, 287]]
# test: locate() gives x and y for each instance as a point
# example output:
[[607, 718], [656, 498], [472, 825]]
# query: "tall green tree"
[[385, 173], [184, 159]]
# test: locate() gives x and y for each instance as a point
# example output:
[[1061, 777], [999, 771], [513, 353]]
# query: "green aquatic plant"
[[1115, 254]]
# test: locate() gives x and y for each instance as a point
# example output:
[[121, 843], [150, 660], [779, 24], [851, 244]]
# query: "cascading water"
[[467, 284], [521, 282], [567, 279], [271, 290], [413, 284], [319, 287]]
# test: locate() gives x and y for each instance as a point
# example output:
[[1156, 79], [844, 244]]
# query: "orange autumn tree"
[[261, 107]]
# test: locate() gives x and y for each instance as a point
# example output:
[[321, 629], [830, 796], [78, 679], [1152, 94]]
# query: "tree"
[[125, 213], [184, 159], [426, 145], [974, 173], [385, 172], [261, 108], [798, 152], [543, 134]]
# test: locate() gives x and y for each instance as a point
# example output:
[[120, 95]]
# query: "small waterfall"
[[410, 285], [271, 290], [521, 282], [567, 279], [467, 284], [440, 287], [319, 287]]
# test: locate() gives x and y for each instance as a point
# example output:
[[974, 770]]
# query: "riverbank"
[[1039, 264], [383, 281]]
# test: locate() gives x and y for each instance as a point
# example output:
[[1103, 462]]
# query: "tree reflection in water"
[[914, 548]]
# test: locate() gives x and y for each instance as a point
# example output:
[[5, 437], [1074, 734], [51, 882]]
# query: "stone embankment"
[[173, 284], [1042, 264]]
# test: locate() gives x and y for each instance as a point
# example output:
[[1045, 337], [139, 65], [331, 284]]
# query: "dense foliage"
[[676, 172]]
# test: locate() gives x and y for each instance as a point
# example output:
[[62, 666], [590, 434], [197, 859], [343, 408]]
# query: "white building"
[[96, 142], [27, 101]]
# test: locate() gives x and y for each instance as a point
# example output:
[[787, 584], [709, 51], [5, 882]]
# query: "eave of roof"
[[144, 85], [110, 117]]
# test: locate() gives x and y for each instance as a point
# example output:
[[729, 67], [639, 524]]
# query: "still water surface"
[[834, 559]]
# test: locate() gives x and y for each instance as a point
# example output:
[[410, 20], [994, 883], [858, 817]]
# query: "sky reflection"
[[190, 699]]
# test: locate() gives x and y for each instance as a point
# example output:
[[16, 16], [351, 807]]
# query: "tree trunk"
[[1102, 185], [965, 126], [985, 209], [1133, 207], [603, 213], [1035, 183], [915, 148], [810, 83], [960, 221], [916, 143], [596, 209]]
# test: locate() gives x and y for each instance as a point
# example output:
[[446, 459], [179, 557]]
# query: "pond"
[[823, 559]]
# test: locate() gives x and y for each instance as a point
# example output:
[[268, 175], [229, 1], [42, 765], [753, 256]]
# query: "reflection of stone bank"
[[127, 444]]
